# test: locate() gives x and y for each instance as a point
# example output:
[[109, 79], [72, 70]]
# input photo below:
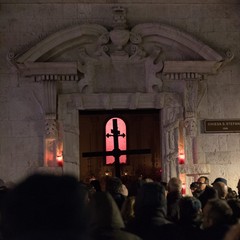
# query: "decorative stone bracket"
[[53, 146]]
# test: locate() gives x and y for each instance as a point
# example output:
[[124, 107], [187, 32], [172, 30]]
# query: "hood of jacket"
[[104, 213], [151, 201]]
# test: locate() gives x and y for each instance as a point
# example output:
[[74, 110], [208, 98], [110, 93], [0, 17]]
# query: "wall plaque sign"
[[222, 126]]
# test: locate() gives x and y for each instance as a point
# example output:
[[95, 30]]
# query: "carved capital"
[[50, 128], [191, 126], [50, 107]]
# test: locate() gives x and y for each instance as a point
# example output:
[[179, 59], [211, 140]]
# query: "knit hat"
[[220, 180]]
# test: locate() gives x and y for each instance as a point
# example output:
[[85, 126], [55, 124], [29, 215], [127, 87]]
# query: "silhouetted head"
[[222, 189], [44, 203], [203, 182], [190, 209], [216, 212], [151, 198], [96, 184], [219, 179], [113, 185], [174, 185]]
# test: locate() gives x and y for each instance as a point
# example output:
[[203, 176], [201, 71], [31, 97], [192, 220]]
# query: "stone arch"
[[62, 41], [95, 35], [176, 39]]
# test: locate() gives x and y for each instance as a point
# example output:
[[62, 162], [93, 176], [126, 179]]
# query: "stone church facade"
[[61, 58]]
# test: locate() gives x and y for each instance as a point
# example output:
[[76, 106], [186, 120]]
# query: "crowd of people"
[[45, 206]]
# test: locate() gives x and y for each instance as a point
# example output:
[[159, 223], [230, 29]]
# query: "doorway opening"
[[143, 132], [121, 139]]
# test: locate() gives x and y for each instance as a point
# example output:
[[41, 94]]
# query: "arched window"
[[122, 141]]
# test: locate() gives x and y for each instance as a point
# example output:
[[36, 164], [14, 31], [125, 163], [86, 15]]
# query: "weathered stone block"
[[220, 158]]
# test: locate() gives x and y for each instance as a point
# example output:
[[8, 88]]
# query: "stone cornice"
[[173, 70], [47, 68], [188, 67], [123, 100]]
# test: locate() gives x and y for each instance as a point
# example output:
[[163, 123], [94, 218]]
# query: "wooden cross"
[[116, 152]]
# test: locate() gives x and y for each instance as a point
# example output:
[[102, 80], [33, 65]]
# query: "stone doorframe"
[[157, 87], [171, 112]]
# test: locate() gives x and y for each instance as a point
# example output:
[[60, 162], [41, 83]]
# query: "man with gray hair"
[[222, 190]]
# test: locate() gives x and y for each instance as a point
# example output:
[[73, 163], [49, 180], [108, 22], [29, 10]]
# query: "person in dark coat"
[[233, 233], [174, 194], [205, 191], [114, 187], [217, 217], [207, 194], [235, 206], [105, 221], [96, 185], [194, 189], [190, 219], [150, 220], [45, 207], [128, 210]]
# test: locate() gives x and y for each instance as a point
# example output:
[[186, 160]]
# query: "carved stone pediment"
[[120, 71], [121, 40], [121, 59]]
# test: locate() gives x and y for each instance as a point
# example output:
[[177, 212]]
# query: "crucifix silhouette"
[[116, 152]]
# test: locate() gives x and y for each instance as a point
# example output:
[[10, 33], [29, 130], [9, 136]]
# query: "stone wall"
[[24, 23]]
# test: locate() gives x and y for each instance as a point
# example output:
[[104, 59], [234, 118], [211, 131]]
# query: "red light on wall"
[[182, 177], [183, 189], [60, 160], [181, 158]]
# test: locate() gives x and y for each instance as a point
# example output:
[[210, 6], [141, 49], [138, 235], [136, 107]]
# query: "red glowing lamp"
[[183, 189], [60, 160], [181, 158]]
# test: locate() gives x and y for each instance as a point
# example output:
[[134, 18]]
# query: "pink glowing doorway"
[[122, 141]]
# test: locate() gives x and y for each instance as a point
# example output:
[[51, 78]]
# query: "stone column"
[[51, 132], [194, 91], [170, 138], [191, 104]]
